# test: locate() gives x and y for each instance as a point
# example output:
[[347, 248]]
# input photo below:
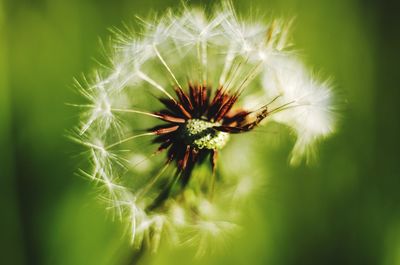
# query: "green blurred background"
[[343, 210]]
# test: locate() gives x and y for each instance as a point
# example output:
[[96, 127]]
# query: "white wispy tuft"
[[302, 103], [218, 49]]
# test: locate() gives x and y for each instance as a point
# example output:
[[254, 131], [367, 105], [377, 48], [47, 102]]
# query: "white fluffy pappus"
[[303, 104]]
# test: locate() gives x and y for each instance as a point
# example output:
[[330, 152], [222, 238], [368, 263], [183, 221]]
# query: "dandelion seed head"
[[169, 102]]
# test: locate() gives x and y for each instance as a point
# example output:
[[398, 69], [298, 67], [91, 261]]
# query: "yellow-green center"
[[201, 134]]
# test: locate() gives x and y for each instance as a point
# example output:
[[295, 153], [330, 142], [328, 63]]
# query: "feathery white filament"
[[309, 111]]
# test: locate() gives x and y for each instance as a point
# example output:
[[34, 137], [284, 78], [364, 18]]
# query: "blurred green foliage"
[[343, 210]]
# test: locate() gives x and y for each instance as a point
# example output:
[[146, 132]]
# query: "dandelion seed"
[[157, 156]]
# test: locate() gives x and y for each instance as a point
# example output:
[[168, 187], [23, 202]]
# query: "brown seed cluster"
[[197, 106]]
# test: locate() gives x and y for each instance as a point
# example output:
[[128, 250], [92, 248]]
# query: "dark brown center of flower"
[[197, 125]]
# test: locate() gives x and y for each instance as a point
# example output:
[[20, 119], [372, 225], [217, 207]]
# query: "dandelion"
[[169, 101]]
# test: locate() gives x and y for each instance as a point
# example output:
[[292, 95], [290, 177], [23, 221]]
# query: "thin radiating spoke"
[[129, 138], [155, 84], [137, 112], [153, 180], [166, 66]]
